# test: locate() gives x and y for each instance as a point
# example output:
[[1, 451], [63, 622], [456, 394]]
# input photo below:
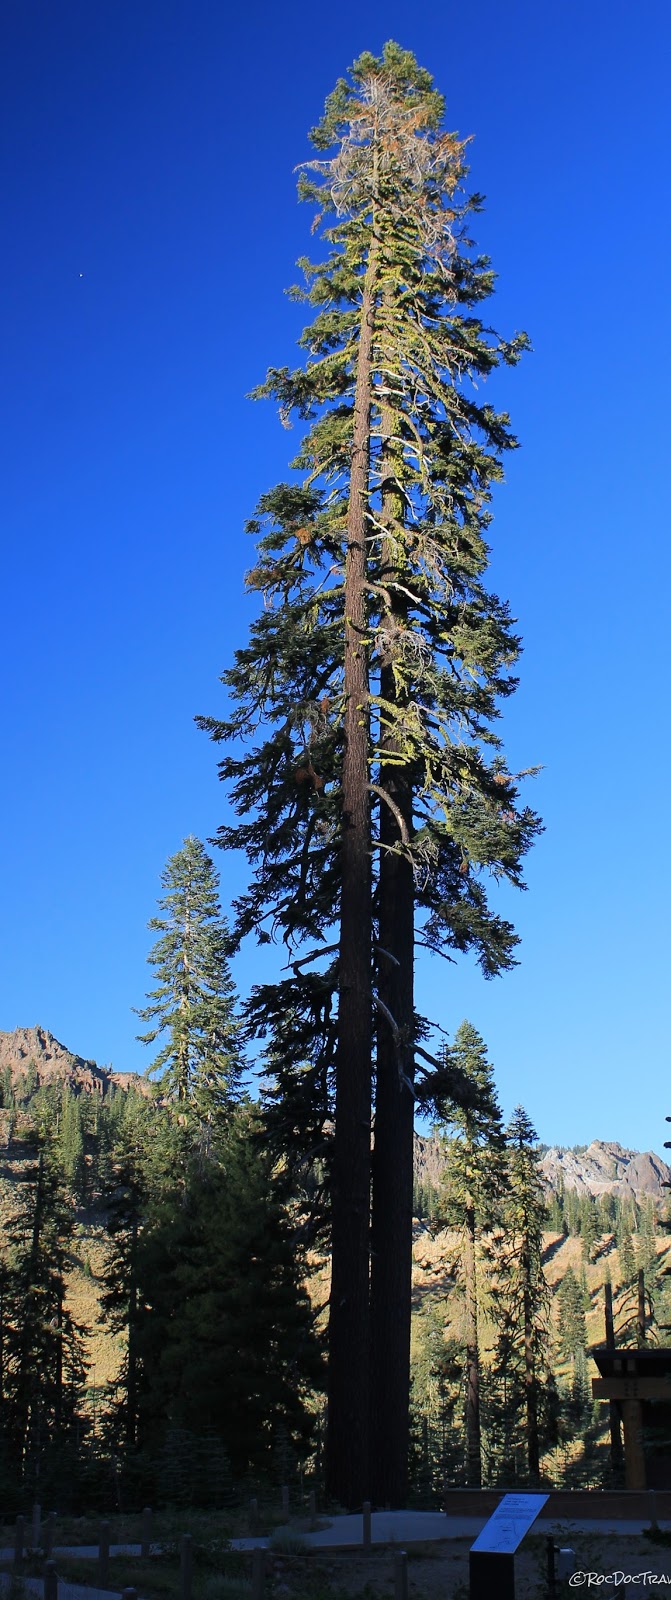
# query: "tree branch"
[[403, 1081], [400, 819], [325, 950]]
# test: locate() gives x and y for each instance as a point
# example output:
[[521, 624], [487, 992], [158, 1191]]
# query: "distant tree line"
[[501, 1388]]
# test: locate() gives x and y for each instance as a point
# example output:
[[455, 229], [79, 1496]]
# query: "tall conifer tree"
[[375, 800], [191, 1009]]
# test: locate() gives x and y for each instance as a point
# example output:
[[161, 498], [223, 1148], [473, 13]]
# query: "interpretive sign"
[[514, 1516], [492, 1556]]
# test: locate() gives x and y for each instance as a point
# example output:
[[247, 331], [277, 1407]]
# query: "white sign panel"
[[513, 1517]]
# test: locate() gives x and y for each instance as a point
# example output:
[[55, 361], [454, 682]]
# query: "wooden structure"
[[638, 1382], [571, 1505]]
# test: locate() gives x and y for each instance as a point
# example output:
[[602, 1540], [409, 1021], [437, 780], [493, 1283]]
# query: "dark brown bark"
[[391, 1243], [473, 1435], [347, 1440], [391, 1235]]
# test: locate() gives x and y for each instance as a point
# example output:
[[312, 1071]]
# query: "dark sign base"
[[492, 1576]]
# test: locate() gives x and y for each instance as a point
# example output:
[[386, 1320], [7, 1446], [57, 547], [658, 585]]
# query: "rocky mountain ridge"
[[601, 1167], [598, 1168], [607, 1168], [28, 1051]]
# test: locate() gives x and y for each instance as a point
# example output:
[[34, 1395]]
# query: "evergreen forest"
[[164, 1295]]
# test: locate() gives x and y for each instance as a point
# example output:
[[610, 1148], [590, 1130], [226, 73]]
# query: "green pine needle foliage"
[[191, 1010], [392, 208]]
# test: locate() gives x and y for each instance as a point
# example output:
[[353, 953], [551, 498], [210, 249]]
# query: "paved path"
[[71, 1591], [66, 1591], [340, 1533], [86, 1552], [416, 1527]]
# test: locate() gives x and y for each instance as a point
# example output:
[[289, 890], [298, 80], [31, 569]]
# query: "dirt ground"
[[440, 1571]]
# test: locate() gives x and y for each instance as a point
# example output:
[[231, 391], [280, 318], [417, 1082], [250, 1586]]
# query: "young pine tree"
[[191, 1011], [572, 1325], [71, 1142], [43, 1366], [625, 1249], [375, 800], [241, 1357], [524, 1293], [471, 1200], [589, 1225], [136, 1126]]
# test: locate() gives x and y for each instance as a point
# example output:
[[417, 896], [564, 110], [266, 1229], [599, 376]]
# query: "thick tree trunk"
[[347, 1458], [391, 1238], [391, 1258], [473, 1440]]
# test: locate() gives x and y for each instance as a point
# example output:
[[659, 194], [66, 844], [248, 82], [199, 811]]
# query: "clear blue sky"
[[150, 229]]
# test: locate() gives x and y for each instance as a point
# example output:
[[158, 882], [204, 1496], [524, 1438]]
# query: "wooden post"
[[634, 1459], [258, 1574], [36, 1527], [186, 1565], [50, 1581], [253, 1517], [103, 1554], [285, 1499], [19, 1541], [146, 1532], [401, 1576], [366, 1530], [551, 1553], [49, 1534], [312, 1507]]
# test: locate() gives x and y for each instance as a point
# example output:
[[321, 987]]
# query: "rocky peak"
[[607, 1167], [602, 1167], [28, 1050]]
